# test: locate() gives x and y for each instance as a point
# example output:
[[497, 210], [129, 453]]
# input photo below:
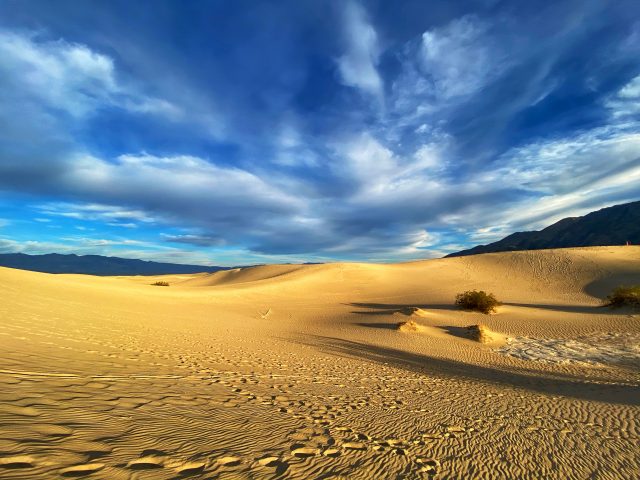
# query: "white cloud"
[[358, 65], [9, 245], [122, 225], [93, 212], [85, 243], [193, 239], [376, 170], [182, 190], [62, 75], [451, 65], [567, 177], [460, 57], [626, 102], [631, 89], [291, 149], [367, 161], [70, 77], [569, 164]]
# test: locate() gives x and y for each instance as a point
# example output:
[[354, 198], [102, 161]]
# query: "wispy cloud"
[[70, 77], [92, 211], [358, 65], [198, 240], [625, 103], [461, 57]]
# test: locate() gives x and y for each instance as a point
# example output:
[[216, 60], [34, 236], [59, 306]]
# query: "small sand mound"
[[413, 312], [408, 326], [480, 333]]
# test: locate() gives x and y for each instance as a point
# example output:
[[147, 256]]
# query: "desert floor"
[[300, 372]]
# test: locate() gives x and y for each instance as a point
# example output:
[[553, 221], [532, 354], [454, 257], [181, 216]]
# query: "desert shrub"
[[624, 296], [480, 301], [160, 284]]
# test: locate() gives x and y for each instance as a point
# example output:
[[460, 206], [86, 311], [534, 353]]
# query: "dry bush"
[[479, 301], [160, 284], [624, 296]]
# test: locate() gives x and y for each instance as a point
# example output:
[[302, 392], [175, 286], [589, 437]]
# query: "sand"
[[301, 372]]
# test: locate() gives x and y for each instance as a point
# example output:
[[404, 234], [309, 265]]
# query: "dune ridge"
[[110, 377]]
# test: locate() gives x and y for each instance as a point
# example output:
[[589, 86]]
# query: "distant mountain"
[[96, 265], [610, 226]]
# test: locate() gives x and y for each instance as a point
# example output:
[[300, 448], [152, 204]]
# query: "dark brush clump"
[[479, 301], [624, 296]]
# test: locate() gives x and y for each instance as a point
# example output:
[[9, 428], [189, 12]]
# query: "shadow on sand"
[[391, 308], [550, 383], [383, 326], [585, 309]]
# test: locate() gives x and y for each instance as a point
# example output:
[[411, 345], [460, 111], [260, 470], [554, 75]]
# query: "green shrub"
[[160, 284], [624, 296], [480, 301]]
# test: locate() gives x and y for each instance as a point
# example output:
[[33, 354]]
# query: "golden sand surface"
[[301, 372]]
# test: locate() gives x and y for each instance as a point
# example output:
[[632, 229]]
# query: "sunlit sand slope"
[[300, 372]]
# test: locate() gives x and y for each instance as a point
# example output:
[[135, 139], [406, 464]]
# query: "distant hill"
[[610, 226], [96, 265]]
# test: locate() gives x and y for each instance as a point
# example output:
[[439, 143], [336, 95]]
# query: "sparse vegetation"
[[624, 296], [479, 301], [160, 284]]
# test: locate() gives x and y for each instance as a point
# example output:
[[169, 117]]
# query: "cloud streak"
[[358, 65]]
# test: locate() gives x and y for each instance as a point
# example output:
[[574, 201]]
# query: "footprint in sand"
[[145, 463], [428, 465], [331, 452], [229, 461], [81, 470], [344, 429], [189, 468], [455, 429], [303, 452], [354, 446], [19, 461], [269, 461]]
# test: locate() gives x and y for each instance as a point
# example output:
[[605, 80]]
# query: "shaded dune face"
[[296, 372]]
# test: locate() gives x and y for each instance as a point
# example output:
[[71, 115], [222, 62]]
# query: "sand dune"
[[293, 371]]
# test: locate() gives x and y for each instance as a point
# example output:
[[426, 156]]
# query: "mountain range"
[[615, 225], [97, 265]]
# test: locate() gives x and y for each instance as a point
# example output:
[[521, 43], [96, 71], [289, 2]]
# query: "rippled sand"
[[301, 372]]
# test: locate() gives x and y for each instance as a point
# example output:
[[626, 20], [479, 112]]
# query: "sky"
[[267, 131]]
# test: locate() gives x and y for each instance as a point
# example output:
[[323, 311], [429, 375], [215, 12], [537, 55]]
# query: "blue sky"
[[229, 133]]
